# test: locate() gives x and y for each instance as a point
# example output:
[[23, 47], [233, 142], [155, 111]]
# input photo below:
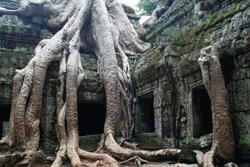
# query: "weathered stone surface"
[[168, 71], [17, 42], [12, 4], [10, 159], [177, 37], [242, 132], [241, 96]]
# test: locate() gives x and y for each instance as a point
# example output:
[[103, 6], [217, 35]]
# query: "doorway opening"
[[202, 112], [4, 119], [91, 118], [146, 121]]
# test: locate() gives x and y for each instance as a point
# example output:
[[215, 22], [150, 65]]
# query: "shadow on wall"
[[4, 119], [202, 112], [145, 116]]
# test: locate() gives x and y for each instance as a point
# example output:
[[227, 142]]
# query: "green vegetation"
[[148, 6], [196, 37], [244, 142], [150, 65], [245, 139], [188, 41], [157, 55], [191, 143], [216, 18], [5, 128]]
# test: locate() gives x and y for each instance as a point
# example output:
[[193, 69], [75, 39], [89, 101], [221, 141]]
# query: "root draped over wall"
[[113, 37], [223, 144]]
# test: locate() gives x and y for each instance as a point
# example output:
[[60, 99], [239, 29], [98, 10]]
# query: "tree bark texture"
[[223, 144]]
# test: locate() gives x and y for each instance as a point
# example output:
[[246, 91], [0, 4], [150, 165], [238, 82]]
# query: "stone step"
[[89, 142], [148, 141], [206, 140]]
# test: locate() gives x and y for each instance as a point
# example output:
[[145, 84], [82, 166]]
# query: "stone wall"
[[170, 69]]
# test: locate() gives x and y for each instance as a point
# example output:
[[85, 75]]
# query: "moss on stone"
[[150, 66], [170, 18], [5, 128], [196, 35], [154, 58], [244, 142], [89, 142], [150, 141], [194, 38], [191, 144], [219, 17], [187, 156], [188, 63]]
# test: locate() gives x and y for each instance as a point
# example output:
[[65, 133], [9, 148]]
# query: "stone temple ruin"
[[171, 106]]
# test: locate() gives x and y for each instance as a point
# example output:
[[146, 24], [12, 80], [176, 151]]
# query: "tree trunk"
[[114, 38], [223, 136]]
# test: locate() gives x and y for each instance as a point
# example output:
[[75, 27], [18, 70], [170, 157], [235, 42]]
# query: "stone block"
[[89, 142], [206, 140], [241, 122], [242, 95]]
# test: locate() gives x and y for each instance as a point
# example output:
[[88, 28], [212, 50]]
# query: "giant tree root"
[[10, 159], [114, 149], [113, 35], [223, 145]]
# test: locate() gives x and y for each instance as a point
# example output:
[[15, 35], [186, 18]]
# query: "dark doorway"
[[202, 113], [4, 119], [91, 118], [145, 120]]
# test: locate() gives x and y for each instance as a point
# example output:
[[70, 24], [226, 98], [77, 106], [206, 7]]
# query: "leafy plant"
[[148, 6]]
